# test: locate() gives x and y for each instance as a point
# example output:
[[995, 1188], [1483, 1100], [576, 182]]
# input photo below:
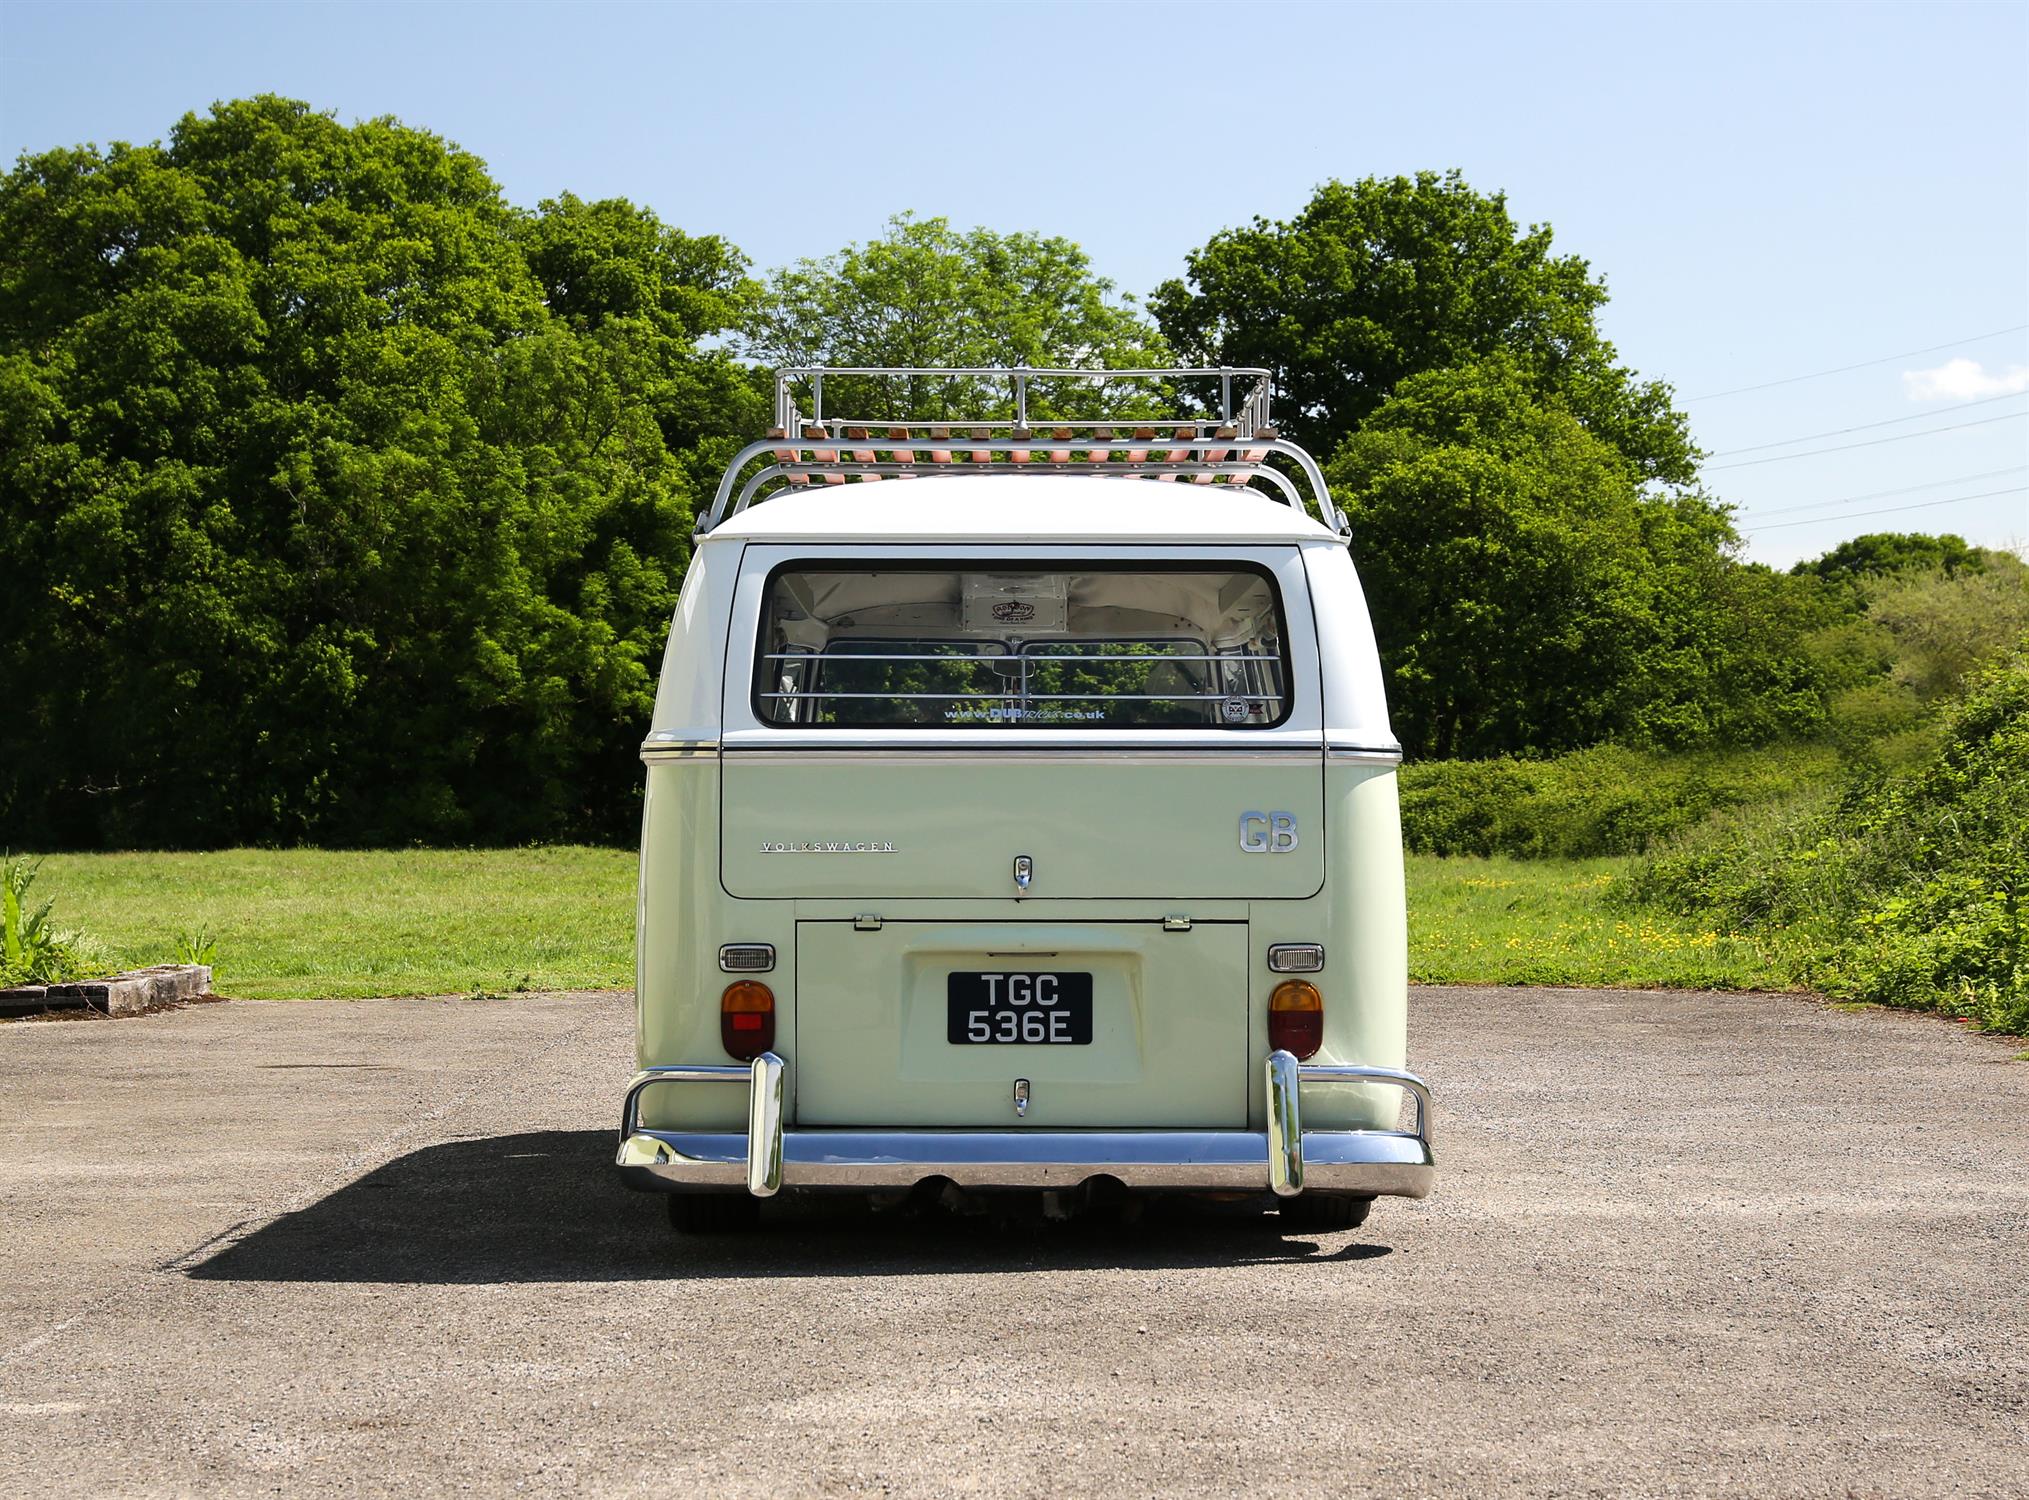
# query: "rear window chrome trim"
[[1018, 561]]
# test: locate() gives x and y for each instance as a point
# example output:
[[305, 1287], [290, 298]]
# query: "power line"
[[1908, 489], [1922, 416], [1888, 510], [1901, 437], [1886, 359]]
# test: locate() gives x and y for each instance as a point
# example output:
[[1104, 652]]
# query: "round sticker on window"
[[1236, 710]]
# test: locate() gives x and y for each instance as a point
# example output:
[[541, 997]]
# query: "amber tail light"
[[747, 1019], [1296, 1018]]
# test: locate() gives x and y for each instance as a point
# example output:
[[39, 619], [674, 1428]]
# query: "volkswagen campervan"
[[1021, 816]]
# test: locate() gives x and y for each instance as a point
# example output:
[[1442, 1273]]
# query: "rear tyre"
[[1323, 1211], [713, 1213]]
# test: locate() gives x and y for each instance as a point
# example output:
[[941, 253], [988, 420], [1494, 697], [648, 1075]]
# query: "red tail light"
[[1296, 1018], [747, 1019]]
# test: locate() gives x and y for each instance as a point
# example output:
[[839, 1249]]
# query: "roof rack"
[[1233, 451]]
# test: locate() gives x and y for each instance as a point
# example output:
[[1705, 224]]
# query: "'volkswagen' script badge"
[[827, 846]]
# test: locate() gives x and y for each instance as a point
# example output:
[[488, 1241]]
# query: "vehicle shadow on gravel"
[[549, 1207]]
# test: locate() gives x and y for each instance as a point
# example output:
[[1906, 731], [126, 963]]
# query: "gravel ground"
[[1682, 1244]]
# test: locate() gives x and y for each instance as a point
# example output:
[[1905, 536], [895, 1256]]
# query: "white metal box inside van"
[[1021, 814]]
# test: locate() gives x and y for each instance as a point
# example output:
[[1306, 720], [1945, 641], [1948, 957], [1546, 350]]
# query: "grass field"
[[1547, 921], [292, 924]]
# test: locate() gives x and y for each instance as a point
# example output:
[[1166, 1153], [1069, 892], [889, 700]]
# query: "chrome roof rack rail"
[[1234, 450]]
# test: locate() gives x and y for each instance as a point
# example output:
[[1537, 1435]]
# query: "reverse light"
[[1295, 958], [746, 958], [747, 1019], [1296, 1018]]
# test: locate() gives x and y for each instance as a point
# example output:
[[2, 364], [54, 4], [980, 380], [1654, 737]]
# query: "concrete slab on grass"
[[127, 994], [24, 1000]]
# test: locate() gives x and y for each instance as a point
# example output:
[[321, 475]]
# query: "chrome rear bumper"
[[1284, 1159]]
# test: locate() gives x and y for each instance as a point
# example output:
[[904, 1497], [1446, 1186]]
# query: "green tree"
[[1380, 280], [339, 497], [652, 293], [1530, 594], [1730, 655], [1883, 552], [926, 295], [1947, 625], [1914, 618]]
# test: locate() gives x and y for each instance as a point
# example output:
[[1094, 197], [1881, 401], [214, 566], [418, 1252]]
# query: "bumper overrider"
[[1285, 1158]]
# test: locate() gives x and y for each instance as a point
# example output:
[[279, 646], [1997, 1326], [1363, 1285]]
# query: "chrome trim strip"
[[1032, 697], [1366, 755], [658, 747], [858, 657], [1005, 754]]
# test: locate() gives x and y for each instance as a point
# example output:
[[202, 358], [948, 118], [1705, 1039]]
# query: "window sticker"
[[1015, 713]]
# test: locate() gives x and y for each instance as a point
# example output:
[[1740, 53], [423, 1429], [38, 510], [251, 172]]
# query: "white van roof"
[[1020, 508]]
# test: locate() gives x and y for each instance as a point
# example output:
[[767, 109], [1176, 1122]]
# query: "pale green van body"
[[1140, 877]]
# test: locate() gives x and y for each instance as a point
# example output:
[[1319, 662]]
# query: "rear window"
[[1016, 645]]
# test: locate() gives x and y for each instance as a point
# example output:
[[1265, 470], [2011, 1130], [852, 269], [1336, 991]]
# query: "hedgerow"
[[1902, 889], [1606, 800]]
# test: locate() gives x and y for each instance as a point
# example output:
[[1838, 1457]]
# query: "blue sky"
[[1771, 191]]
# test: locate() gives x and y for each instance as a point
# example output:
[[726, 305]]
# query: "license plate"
[[1038, 1009]]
